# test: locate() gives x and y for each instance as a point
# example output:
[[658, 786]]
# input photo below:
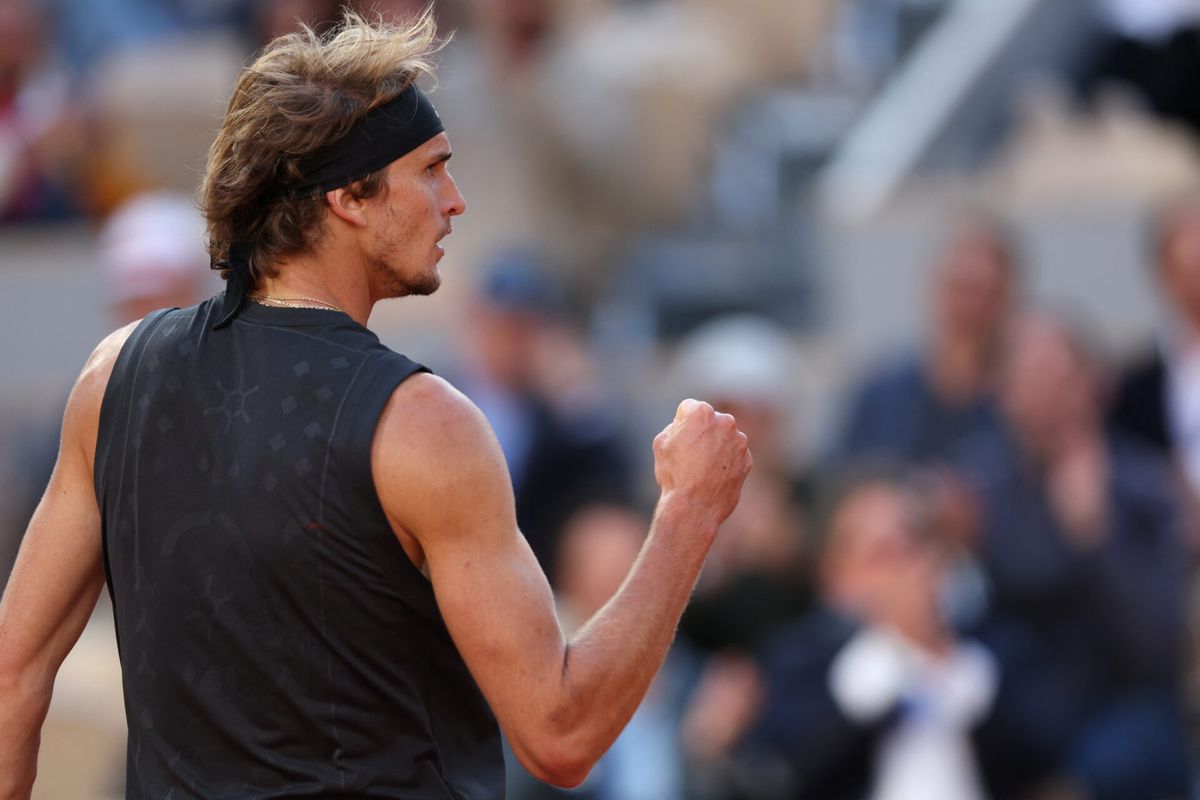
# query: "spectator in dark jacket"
[[1081, 542], [529, 371], [919, 406], [1158, 396]]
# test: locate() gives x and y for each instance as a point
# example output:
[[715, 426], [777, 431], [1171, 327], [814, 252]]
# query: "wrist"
[[680, 510]]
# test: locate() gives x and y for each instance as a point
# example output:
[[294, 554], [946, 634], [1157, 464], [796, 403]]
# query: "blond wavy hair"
[[303, 91]]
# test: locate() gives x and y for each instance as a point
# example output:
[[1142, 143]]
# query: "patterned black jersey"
[[275, 639]]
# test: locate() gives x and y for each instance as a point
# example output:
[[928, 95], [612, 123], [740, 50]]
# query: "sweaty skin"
[[447, 493]]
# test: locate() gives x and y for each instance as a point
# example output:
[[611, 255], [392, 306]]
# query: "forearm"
[[23, 706], [560, 703], [609, 665]]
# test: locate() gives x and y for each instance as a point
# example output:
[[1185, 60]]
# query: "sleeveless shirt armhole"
[[374, 387], [117, 393]]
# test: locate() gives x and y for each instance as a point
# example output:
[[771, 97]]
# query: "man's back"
[[275, 638]]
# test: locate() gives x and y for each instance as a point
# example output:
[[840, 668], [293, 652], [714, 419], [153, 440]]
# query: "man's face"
[[973, 287], [1047, 390], [877, 561], [411, 215]]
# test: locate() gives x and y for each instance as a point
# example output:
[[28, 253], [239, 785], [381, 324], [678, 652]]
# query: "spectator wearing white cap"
[[153, 256]]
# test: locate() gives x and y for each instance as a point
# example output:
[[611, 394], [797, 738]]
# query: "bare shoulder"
[[100, 363], [83, 408], [427, 411], [428, 422], [434, 448]]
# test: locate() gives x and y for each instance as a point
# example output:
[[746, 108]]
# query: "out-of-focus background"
[[940, 257]]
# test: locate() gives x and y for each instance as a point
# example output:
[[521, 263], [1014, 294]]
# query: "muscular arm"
[[55, 582], [446, 490]]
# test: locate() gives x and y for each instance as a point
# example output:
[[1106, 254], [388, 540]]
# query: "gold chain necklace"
[[295, 302]]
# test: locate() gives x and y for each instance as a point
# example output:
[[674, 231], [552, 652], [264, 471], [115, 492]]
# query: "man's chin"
[[429, 285], [419, 288]]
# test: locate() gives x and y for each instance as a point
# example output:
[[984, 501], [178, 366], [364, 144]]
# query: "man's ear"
[[347, 207]]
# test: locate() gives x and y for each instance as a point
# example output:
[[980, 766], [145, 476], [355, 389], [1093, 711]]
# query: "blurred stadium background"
[[825, 215]]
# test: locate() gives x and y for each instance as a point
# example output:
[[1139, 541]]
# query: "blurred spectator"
[[1155, 49], [918, 407], [88, 32], [755, 578], [872, 696], [516, 32], [1081, 542], [740, 363], [272, 18], [598, 547], [39, 132], [153, 112], [527, 370], [1158, 398], [453, 16], [152, 255]]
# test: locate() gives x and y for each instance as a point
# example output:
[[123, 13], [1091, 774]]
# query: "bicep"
[[500, 612], [448, 487]]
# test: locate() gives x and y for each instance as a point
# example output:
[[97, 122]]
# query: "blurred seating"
[[155, 110], [40, 136], [1061, 156]]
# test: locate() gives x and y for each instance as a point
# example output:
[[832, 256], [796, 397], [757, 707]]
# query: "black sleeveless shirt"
[[275, 639]]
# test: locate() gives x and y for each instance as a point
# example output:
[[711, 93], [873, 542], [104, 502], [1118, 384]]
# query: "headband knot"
[[237, 283]]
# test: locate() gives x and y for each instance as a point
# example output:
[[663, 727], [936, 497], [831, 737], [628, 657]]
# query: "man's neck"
[[309, 277]]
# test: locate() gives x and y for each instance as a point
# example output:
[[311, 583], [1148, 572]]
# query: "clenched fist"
[[702, 459]]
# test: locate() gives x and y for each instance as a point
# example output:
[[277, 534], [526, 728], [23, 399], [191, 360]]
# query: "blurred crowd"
[[979, 585]]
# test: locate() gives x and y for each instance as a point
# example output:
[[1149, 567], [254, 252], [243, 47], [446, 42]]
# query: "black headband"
[[384, 134]]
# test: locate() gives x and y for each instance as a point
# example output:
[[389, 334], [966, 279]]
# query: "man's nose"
[[454, 202]]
